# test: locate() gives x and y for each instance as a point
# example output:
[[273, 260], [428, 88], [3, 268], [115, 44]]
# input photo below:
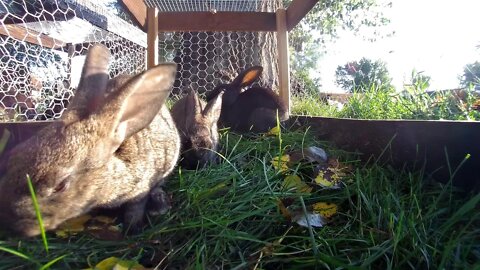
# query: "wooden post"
[[152, 37], [283, 57]]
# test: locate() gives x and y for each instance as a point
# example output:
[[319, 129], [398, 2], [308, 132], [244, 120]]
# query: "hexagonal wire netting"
[[206, 59], [42, 49], [43, 43]]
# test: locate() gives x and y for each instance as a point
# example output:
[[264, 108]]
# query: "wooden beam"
[[297, 10], [9, 18], [137, 10], [152, 37], [219, 21], [20, 33], [422, 145], [283, 57]]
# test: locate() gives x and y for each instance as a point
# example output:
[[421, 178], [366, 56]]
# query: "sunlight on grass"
[[376, 102]]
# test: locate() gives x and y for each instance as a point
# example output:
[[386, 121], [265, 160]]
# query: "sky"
[[438, 37]]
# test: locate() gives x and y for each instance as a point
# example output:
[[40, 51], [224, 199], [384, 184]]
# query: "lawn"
[[241, 214]]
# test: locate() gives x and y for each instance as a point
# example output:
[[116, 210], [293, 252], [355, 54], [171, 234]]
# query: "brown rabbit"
[[196, 121], [253, 110], [116, 141]]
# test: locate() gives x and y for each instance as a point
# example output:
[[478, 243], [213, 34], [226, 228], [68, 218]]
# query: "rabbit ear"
[[92, 85], [248, 76], [217, 90], [213, 109], [132, 107], [193, 108]]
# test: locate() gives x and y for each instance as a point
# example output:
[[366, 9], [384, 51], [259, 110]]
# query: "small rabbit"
[[115, 142], [196, 121], [254, 109]]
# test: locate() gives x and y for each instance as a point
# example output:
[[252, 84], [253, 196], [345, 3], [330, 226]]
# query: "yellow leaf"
[[320, 179], [104, 219], [273, 132], [107, 264], [325, 209], [114, 263], [280, 163], [285, 213], [295, 182], [72, 226]]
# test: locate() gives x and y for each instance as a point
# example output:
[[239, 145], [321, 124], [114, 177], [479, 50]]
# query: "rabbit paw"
[[133, 217], [159, 202]]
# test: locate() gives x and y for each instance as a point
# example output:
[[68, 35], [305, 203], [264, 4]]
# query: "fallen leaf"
[[72, 226], [273, 132], [325, 209], [280, 163], [114, 263], [295, 182], [108, 233], [328, 180], [331, 176], [314, 219], [283, 209], [104, 228], [310, 154], [104, 219]]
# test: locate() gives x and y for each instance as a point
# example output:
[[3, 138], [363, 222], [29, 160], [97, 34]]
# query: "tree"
[[325, 20], [471, 75], [361, 75]]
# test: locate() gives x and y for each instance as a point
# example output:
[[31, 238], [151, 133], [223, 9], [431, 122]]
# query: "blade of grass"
[[18, 254], [52, 262], [37, 212]]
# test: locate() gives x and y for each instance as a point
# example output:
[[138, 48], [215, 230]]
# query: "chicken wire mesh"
[[42, 44], [212, 5], [206, 59], [42, 49]]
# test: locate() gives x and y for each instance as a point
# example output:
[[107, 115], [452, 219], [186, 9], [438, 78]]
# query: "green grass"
[[380, 103], [226, 216]]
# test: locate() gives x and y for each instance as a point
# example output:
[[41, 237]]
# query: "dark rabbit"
[[196, 121], [115, 142], [254, 109]]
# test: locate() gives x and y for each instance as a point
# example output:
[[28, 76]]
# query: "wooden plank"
[[283, 57], [414, 143], [297, 10], [152, 37], [219, 21], [20, 33], [9, 18], [137, 10]]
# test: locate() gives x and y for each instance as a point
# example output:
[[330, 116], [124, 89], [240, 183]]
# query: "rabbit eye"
[[62, 186]]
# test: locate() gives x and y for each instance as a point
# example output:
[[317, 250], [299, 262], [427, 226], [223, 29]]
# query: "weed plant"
[[378, 102]]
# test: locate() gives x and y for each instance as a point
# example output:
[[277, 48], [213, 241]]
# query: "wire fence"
[[42, 49], [43, 45]]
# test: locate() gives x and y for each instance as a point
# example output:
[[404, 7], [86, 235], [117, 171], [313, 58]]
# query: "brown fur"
[[110, 148], [197, 123]]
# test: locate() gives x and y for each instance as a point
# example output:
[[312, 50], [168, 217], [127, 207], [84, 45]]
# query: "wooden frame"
[[152, 37], [20, 33], [281, 22], [283, 57]]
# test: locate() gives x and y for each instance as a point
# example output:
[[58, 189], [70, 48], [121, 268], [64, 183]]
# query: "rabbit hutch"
[[43, 45]]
